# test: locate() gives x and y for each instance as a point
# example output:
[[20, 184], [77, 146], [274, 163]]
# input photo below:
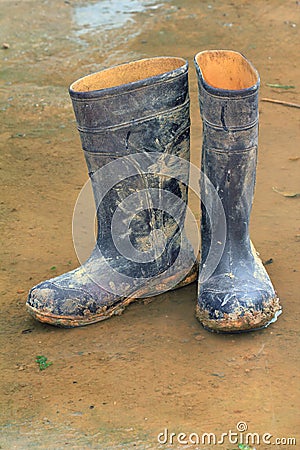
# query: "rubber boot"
[[238, 295], [134, 125]]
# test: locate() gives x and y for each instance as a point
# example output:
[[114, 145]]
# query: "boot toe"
[[62, 306], [238, 309]]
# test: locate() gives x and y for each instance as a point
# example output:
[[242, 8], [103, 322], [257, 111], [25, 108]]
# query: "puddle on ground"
[[109, 14]]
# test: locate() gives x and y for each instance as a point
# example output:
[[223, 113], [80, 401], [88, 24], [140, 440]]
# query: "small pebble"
[[199, 337], [221, 374]]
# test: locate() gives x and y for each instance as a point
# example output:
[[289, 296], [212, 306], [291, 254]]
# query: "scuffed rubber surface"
[[147, 117], [239, 295]]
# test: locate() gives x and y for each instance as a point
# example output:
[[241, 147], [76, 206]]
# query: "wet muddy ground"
[[119, 383]]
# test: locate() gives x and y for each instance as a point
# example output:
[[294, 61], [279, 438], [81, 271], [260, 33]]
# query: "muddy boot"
[[238, 294], [134, 125]]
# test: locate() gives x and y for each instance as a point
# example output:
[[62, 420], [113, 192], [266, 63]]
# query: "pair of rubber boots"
[[134, 125]]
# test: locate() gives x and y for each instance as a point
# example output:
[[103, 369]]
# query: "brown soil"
[[119, 383]]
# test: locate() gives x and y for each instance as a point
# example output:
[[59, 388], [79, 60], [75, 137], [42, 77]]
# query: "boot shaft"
[[120, 110], [130, 115], [228, 97]]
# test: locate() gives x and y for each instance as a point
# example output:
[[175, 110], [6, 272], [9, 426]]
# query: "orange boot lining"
[[224, 69], [127, 73]]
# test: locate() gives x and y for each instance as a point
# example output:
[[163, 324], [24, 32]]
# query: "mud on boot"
[[134, 125], [238, 296]]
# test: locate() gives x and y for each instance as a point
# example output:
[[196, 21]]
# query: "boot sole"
[[235, 323], [114, 310]]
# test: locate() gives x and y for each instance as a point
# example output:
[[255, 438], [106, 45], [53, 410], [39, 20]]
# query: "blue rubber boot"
[[238, 295], [134, 125]]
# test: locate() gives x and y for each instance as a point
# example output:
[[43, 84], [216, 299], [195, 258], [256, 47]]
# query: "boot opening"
[[224, 69], [127, 73]]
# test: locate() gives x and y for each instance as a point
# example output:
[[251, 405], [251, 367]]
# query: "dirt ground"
[[119, 383]]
